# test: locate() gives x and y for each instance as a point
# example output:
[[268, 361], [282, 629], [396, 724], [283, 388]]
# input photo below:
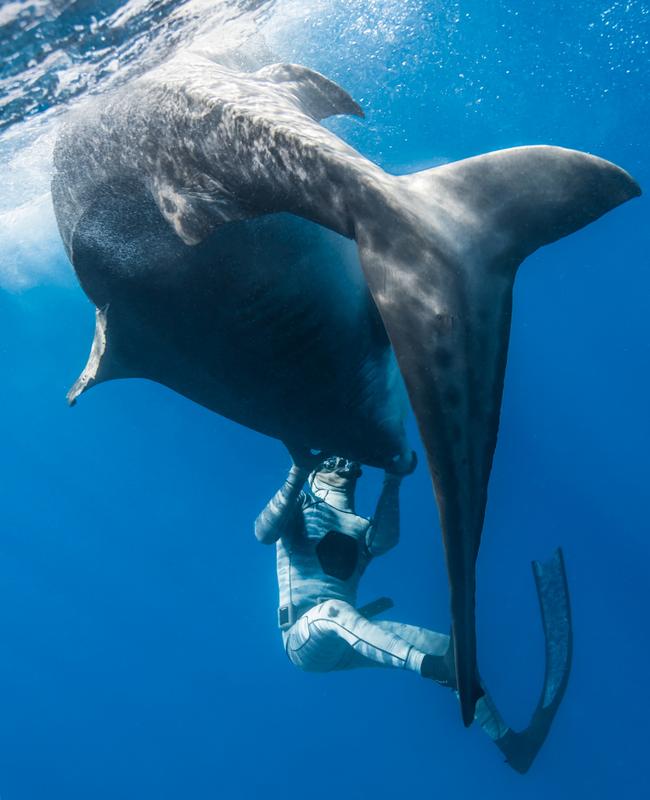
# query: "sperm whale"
[[212, 220]]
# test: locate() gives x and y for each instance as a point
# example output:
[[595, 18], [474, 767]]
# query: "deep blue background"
[[139, 654]]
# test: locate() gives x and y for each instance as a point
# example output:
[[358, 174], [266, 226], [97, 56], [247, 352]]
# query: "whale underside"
[[295, 350], [211, 219]]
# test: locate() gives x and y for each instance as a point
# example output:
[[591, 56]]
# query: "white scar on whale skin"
[[206, 208]]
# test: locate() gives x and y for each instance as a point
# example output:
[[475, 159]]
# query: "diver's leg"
[[438, 663], [428, 641], [333, 635], [438, 646], [312, 647]]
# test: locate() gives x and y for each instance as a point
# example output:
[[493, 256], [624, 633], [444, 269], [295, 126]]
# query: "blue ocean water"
[[139, 651]]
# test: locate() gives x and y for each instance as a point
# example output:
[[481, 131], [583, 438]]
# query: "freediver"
[[323, 548]]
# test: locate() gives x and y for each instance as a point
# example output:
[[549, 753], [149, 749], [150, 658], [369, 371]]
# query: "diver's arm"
[[383, 533], [281, 511]]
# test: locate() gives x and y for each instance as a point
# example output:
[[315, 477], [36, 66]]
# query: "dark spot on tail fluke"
[[452, 397], [443, 357], [443, 323]]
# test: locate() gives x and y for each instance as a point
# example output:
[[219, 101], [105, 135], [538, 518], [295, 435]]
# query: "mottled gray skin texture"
[[163, 194]]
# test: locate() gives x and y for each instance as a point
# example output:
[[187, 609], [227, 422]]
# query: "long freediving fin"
[[521, 747]]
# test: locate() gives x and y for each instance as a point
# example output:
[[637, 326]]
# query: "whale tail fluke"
[[440, 261], [511, 202]]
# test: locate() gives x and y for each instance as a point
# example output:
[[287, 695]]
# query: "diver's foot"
[[440, 668]]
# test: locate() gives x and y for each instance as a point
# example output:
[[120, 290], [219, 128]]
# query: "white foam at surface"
[[30, 247], [31, 252]]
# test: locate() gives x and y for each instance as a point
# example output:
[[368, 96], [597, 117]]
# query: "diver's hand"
[[402, 465], [305, 459]]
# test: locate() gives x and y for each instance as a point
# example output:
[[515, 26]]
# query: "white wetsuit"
[[322, 552]]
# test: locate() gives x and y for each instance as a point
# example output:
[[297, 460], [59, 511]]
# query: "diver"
[[323, 547]]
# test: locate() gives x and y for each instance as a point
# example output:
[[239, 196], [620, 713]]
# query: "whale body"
[[212, 220]]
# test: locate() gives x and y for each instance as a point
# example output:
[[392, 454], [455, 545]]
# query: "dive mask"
[[341, 466]]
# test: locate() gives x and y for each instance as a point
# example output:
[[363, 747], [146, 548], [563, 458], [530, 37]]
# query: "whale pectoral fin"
[[442, 276], [108, 247], [317, 96], [100, 366]]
